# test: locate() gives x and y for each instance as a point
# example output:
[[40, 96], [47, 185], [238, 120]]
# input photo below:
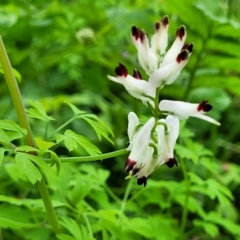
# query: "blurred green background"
[[62, 51]]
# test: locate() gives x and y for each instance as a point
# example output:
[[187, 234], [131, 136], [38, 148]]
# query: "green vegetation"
[[63, 139]]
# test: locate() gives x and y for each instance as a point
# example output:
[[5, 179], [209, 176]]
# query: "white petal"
[[115, 79], [178, 108], [184, 110], [174, 74], [161, 75], [159, 40], [142, 140], [138, 87], [206, 118], [133, 122], [148, 164], [176, 47], [173, 128]]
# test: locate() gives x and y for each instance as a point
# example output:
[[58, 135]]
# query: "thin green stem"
[[92, 158], [185, 207], [156, 102], [24, 123], [111, 194], [15, 92], [125, 198], [88, 225], [62, 126], [46, 131], [48, 205]]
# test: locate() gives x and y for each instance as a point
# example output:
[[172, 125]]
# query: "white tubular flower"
[[140, 156], [176, 47], [162, 69], [133, 122], [166, 141], [159, 40], [135, 86], [146, 57], [168, 73], [184, 110]]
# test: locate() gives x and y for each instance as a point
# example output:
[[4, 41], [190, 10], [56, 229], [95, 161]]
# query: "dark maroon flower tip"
[[183, 55], [188, 46], [157, 26], [135, 32], [204, 106], [142, 35], [129, 165], [142, 180], [138, 33], [121, 70], [171, 162], [165, 21], [137, 74], [181, 32]]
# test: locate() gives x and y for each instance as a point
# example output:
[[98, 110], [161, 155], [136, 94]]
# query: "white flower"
[[135, 86], [168, 73], [146, 57], [184, 110], [159, 40], [142, 160], [161, 70], [166, 140], [139, 160]]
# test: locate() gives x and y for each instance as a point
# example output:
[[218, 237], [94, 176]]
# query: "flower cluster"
[[152, 144]]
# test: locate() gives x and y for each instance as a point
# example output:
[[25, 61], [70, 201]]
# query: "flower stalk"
[[24, 123]]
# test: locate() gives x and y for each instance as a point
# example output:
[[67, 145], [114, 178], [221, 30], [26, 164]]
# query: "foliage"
[[61, 52]]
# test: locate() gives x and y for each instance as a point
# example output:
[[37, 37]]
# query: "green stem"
[[92, 158], [24, 123], [185, 208], [48, 205], [156, 102], [62, 126], [125, 198], [15, 92]]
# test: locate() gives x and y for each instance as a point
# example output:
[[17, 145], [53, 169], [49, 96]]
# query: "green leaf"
[[68, 142], [13, 130], [79, 233], [216, 189], [63, 236], [8, 223], [25, 166], [39, 161], [55, 160], [43, 145], [82, 141], [230, 226], [26, 148], [38, 111], [80, 190], [209, 228], [100, 128], [141, 226], [193, 204], [75, 110], [2, 151], [12, 126], [4, 139]]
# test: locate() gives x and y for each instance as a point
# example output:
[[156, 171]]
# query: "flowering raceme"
[[152, 144]]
